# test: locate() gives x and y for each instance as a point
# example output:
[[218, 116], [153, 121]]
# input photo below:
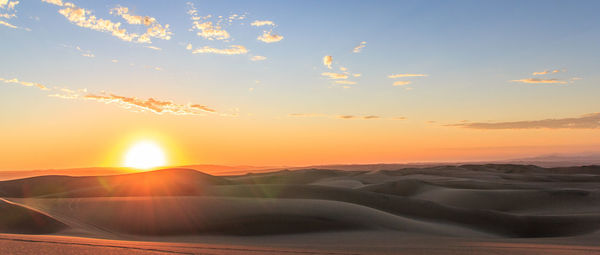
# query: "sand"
[[476, 209]]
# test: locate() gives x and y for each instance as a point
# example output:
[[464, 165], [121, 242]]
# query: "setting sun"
[[145, 155]]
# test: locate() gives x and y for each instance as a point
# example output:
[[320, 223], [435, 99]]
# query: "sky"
[[276, 83]]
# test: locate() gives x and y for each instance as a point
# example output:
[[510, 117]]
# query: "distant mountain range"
[[556, 160]]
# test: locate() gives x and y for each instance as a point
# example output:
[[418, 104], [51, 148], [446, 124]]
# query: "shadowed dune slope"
[[21, 220], [229, 216], [500, 223], [156, 183]]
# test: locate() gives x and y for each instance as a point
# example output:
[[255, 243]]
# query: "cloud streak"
[[153, 105], [260, 23], [546, 72], [24, 83], [232, 50], [342, 117], [587, 121], [401, 83], [359, 48], [334, 76], [258, 58], [6, 24], [394, 76], [150, 104], [538, 81]]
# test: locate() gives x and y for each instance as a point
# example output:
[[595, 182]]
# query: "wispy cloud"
[[25, 83], [401, 83], [359, 48], [343, 117], [132, 103], [587, 121], [155, 29], [270, 37], [260, 23], [394, 76], [150, 104], [345, 82], [6, 24], [334, 76], [153, 47], [232, 50], [85, 18], [258, 58], [546, 72], [536, 80], [328, 61]]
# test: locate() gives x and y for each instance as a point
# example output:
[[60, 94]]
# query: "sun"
[[145, 155]]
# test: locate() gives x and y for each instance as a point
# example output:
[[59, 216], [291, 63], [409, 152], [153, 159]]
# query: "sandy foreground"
[[469, 209]]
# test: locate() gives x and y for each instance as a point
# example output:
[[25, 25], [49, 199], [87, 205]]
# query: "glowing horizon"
[[258, 83]]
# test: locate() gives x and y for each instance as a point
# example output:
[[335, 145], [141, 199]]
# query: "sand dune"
[[504, 202], [19, 219]]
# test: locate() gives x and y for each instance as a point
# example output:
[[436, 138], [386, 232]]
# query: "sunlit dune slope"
[[155, 183]]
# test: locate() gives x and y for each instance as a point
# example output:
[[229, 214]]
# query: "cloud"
[[335, 76], [328, 61], [84, 18], [359, 48], [4, 23], [25, 83], [346, 82], [258, 58], [54, 2], [357, 75], [153, 47], [150, 104], [155, 29], [232, 50], [85, 53], [269, 37], [393, 76], [344, 117], [259, 23], [132, 19], [587, 121], [401, 83], [546, 72], [208, 31], [536, 80], [368, 117], [8, 5]]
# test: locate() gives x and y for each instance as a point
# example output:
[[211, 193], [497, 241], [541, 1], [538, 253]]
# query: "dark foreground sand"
[[469, 209]]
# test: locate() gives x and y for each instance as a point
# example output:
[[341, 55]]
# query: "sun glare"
[[145, 155]]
